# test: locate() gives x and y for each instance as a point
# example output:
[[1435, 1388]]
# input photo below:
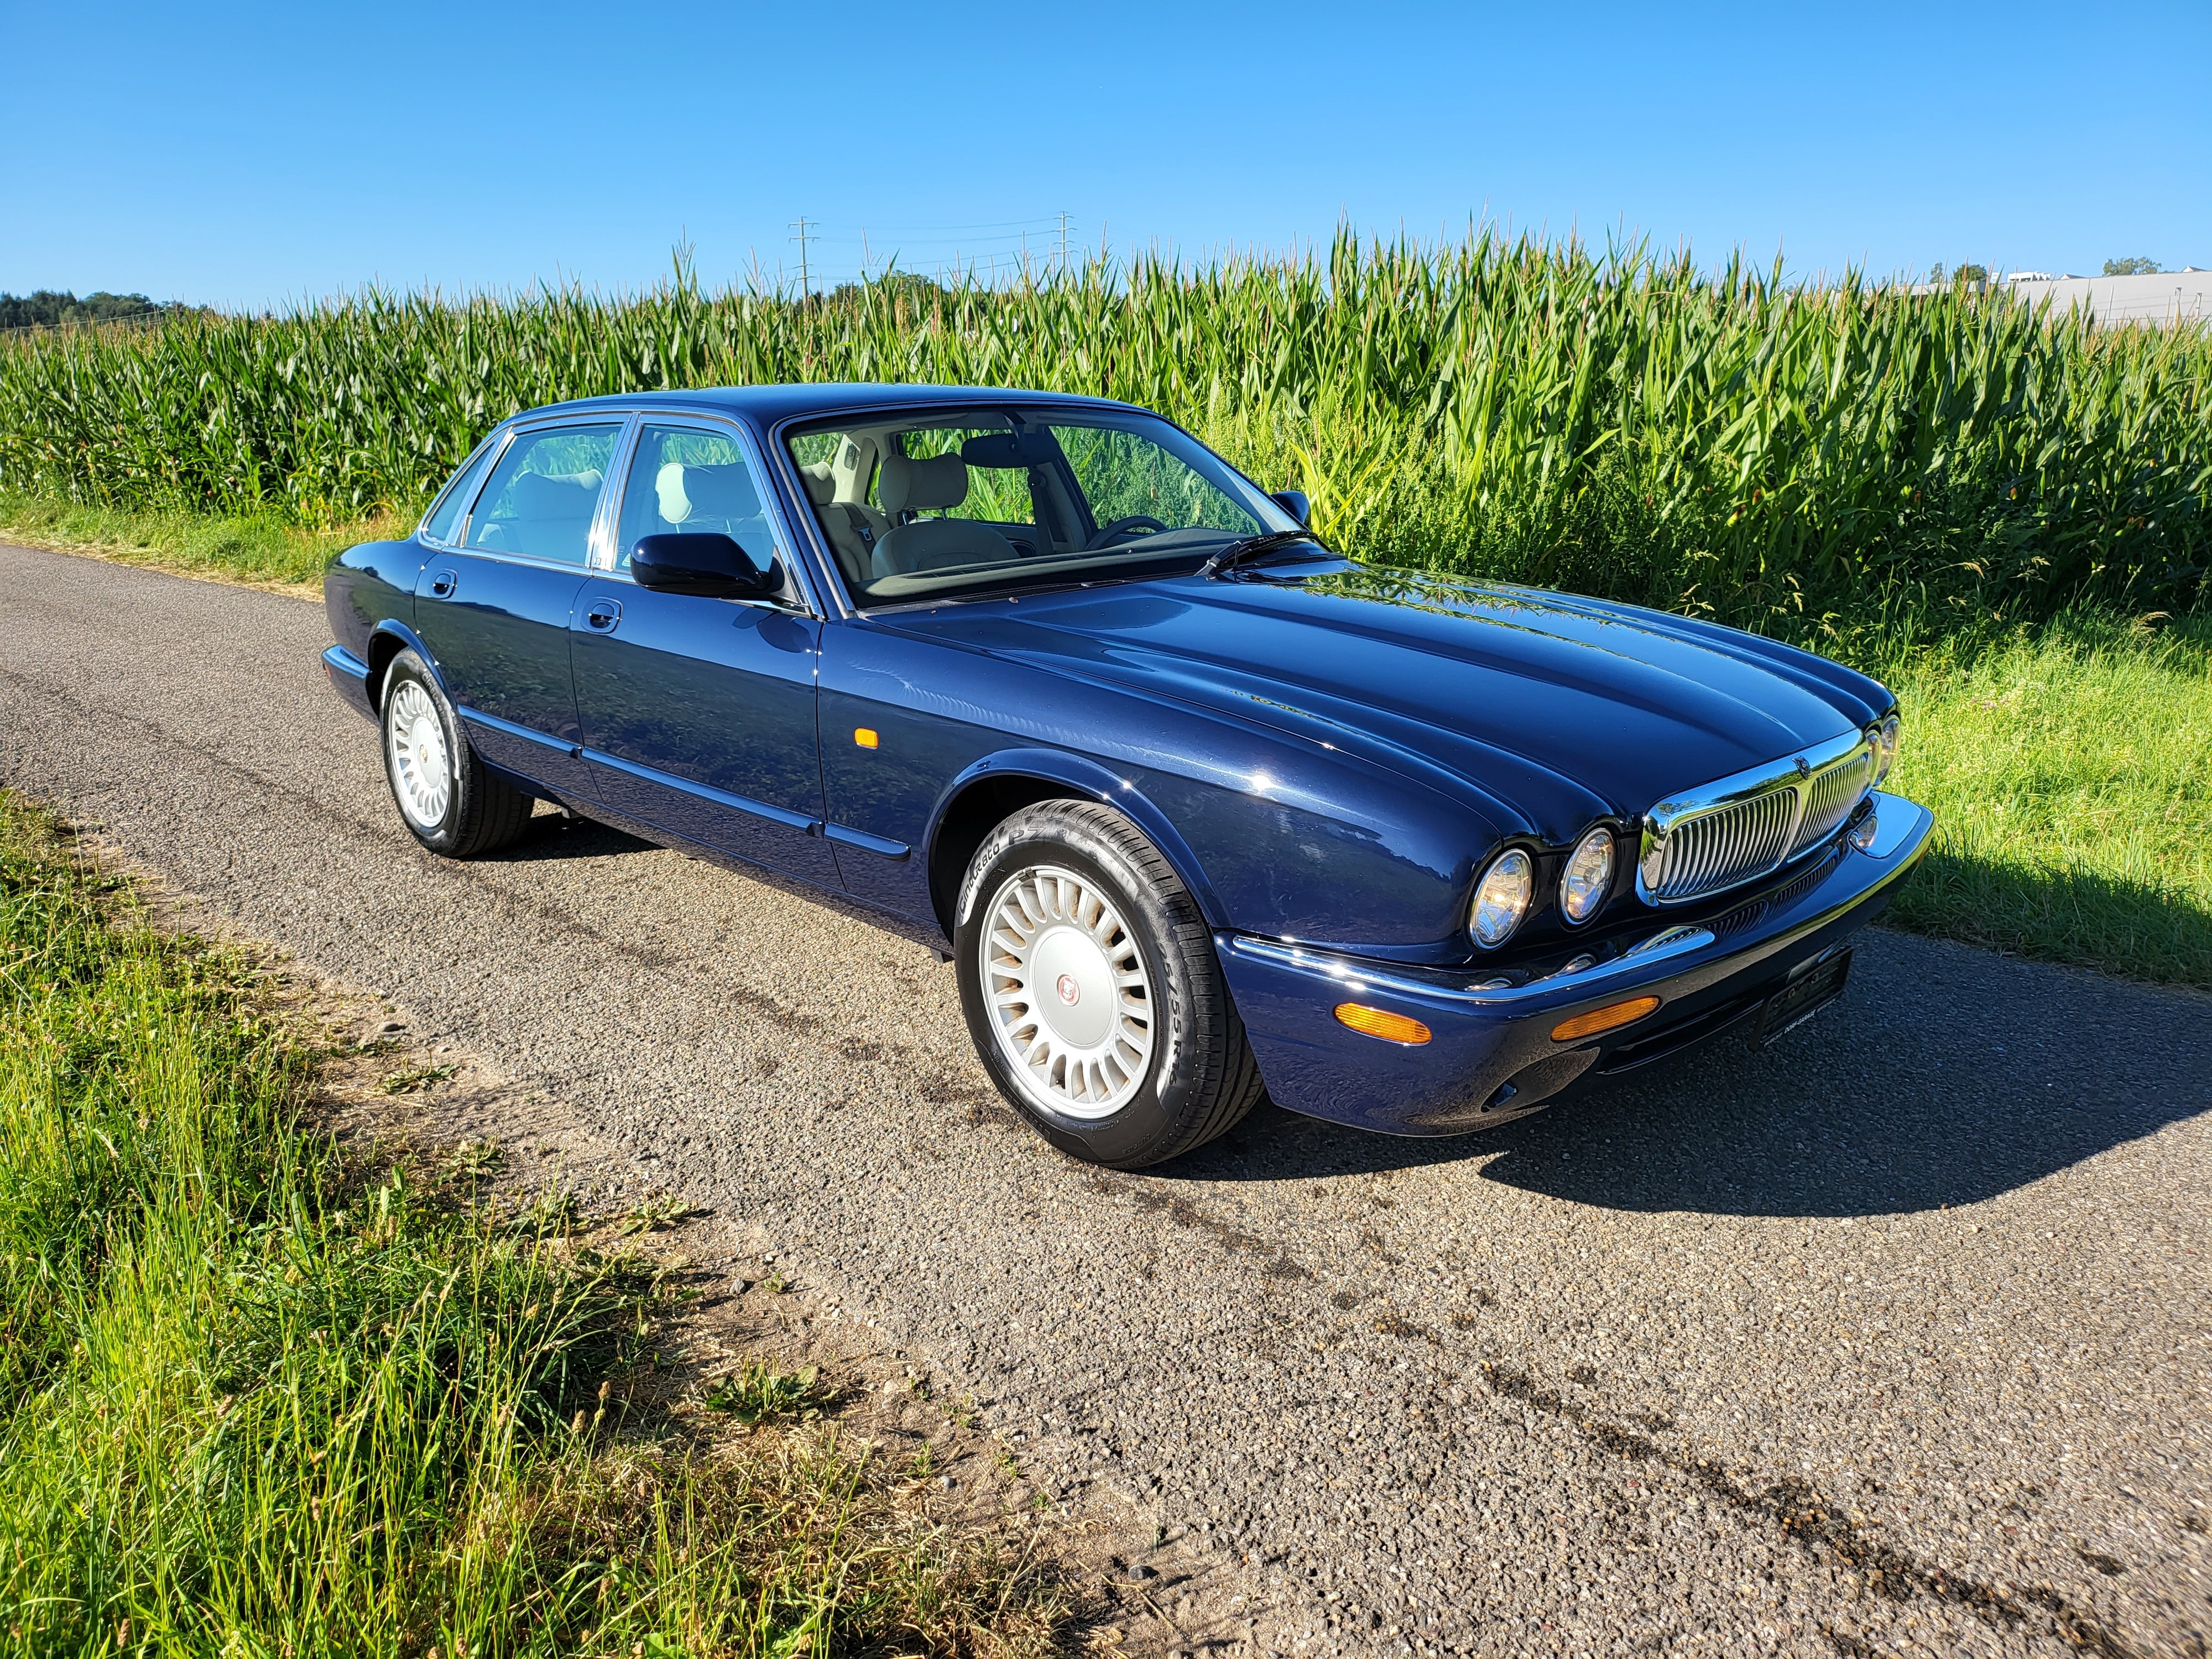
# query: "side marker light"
[[1382, 1023], [866, 736], [1606, 1019]]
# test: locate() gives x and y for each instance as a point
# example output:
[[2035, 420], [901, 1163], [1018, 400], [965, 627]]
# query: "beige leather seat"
[[854, 528], [706, 498], [545, 515], [933, 484]]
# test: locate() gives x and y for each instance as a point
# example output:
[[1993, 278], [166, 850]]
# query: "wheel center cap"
[[1079, 1005]]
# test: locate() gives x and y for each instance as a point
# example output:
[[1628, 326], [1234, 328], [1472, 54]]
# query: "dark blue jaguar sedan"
[[1199, 811]]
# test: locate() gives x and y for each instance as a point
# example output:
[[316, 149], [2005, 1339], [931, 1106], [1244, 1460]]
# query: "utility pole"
[[806, 280], [1063, 242]]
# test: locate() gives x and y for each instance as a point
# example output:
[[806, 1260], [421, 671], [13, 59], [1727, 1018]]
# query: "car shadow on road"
[[552, 836], [1945, 1075]]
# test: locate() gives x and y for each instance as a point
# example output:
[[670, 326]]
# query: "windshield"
[[960, 503]]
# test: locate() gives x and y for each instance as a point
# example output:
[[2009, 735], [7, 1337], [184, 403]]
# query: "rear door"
[[697, 715], [495, 610]]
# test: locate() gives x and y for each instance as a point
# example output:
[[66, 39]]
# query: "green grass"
[[255, 1400], [261, 547], [2071, 770]]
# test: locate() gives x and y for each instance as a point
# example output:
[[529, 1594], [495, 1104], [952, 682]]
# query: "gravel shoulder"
[[1892, 1338]]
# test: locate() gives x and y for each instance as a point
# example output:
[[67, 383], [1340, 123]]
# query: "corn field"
[[1792, 458]]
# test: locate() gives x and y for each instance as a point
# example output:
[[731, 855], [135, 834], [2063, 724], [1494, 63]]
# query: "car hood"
[[1554, 708]]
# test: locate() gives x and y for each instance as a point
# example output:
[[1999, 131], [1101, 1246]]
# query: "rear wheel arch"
[[384, 645], [383, 648]]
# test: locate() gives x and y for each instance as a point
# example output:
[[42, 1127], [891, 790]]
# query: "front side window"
[[539, 500], [687, 480], [974, 502]]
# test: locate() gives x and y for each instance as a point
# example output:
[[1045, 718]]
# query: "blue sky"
[[256, 153]]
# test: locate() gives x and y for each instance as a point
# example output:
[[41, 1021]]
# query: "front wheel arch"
[[994, 789]]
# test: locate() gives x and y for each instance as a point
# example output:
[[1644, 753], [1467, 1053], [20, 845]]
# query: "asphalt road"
[[1892, 1338]]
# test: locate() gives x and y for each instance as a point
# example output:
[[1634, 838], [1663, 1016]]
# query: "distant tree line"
[[48, 308]]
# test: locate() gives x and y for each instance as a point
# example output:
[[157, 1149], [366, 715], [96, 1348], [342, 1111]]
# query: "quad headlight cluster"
[[1508, 887]]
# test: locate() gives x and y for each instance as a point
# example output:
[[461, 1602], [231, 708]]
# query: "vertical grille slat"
[[1723, 847], [1835, 792]]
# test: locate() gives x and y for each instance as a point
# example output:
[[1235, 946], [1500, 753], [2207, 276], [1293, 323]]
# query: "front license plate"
[[1797, 1002]]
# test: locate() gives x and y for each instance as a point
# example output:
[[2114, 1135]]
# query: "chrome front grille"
[[1731, 845], [1830, 796], [1737, 829]]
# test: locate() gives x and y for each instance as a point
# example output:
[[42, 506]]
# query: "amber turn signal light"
[[864, 736], [1382, 1023], [1603, 1019]]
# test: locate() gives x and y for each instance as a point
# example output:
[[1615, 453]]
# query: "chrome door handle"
[[604, 615], [442, 583]]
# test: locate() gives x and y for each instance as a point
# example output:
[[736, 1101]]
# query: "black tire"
[[480, 811], [1199, 1077]]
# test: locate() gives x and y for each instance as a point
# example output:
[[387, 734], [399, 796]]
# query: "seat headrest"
[[904, 485], [706, 492], [821, 487]]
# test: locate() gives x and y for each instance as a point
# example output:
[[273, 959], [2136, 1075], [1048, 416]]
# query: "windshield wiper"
[[1247, 549]]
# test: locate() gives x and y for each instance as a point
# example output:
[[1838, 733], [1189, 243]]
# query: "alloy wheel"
[[422, 761], [1071, 1003]]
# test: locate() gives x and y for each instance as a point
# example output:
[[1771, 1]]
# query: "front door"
[[698, 715], [494, 612]]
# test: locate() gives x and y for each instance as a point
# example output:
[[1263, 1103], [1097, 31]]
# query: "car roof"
[[767, 405]]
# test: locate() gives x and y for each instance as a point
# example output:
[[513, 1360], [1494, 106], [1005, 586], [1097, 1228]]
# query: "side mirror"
[[1294, 502], [705, 564]]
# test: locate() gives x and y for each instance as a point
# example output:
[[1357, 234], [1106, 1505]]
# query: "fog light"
[[1863, 837], [1609, 1017], [1382, 1023]]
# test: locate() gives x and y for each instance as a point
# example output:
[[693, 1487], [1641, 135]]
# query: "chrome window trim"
[[772, 504], [490, 439], [607, 520], [1791, 771]]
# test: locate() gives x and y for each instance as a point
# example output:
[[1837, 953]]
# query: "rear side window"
[[686, 480], [541, 496], [445, 516]]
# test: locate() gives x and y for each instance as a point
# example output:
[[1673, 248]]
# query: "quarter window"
[[541, 494], [445, 518], [692, 480]]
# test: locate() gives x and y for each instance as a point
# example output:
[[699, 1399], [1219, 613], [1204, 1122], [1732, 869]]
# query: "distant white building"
[[2167, 297]]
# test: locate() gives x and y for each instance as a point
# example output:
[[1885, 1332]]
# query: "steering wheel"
[[1107, 534]]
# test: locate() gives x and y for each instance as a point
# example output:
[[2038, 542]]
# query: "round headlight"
[[1588, 876], [1501, 898], [1885, 747]]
